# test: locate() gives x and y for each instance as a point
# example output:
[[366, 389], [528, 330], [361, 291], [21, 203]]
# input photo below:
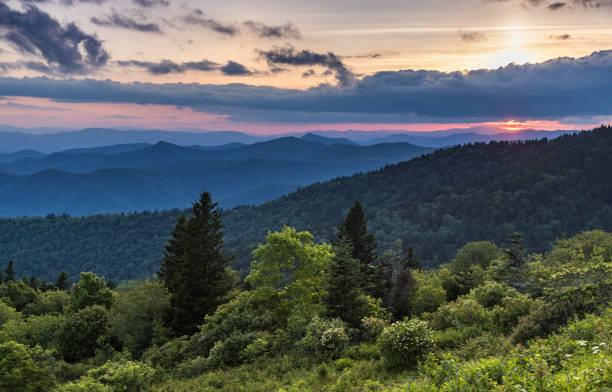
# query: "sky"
[[287, 65]]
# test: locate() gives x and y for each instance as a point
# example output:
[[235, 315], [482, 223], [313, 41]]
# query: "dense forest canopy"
[[545, 189], [493, 319]]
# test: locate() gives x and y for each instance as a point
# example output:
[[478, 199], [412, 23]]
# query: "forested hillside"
[[542, 189]]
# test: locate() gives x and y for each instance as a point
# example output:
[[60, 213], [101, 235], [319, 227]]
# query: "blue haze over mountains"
[[108, 171]]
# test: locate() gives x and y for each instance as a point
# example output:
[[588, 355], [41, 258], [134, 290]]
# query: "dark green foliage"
[[82, 333], [62, 283], [515, 259], [195, 269], [119, 247], [88, 291], [439, 202], [137, 316], [342, 299], [20, 372], [411, 261], [17, 294], [354, 228], [560, 307], [9, 272]]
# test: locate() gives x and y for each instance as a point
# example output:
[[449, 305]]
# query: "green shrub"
[[228, 351], [49, 302], [79, 335], [192, 368], [368, 352], [125, 376], [404, 343], [343, 363], [170, 354], [429, 298], [256, 348], [492, 293], [90, 290], [460, 313], [507, 314], [85, 384], [324, 337], [448, 338], [372, 307], [20, 372], [372, 327], [333, 341], [8, 313]]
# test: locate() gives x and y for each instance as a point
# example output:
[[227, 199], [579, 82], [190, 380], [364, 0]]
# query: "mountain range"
[[545, 190], [12, 141], [137, 177]]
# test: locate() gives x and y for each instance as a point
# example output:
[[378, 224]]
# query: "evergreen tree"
[[410, 261], [63, 282], [516, 258], [343, 294], [194, 269], [9, 272], [355, 229], [34, 282]]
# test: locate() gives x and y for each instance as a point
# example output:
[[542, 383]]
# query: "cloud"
[[557, 5], [289, 56], [152, 3], [197, 18], [471, 36], [124, 22], [233, 68], [69, 3], [560, 37], [123, 117], [530, 91], [165, 67], [287, 31], [65, 48], [14, 105], [309, 73]]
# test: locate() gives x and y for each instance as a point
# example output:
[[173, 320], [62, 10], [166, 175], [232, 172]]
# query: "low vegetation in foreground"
[[319, 317]]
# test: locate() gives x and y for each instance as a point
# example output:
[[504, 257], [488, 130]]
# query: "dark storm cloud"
[[124, 22], [556, 6], [165, 67], [65, 48], [471, 36], [287, 31], [233, 68], [530, 91], [290, 56]]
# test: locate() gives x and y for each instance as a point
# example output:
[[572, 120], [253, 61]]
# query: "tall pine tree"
[[354, 228], [343, 295], [194, 269], [9, 272], [63, 283]]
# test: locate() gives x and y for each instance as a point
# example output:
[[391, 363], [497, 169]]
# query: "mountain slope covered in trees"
[[543, 189]]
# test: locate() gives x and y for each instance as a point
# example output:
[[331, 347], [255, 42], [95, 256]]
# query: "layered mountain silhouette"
[[137, 177], [544, 190]]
